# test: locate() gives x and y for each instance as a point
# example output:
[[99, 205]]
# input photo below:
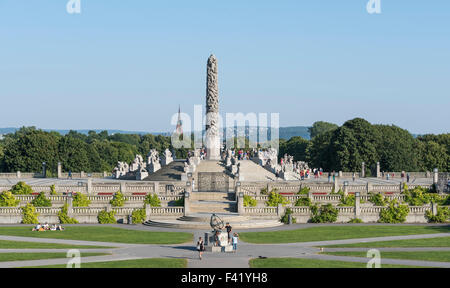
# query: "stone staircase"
[[212, 202]]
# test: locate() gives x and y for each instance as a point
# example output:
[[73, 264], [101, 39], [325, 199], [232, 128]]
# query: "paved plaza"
[[240, 259]]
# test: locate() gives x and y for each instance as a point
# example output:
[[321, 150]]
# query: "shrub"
[[303, 191], [377, 199], [442, 215], [304, 201], [29, 214], [285, 218], [118, 200], [53, 190], [419, 196], [264, 191], [80, 200], [179, 202], [355, 220], [275, 199], [138, 216], [106, 217], [41, 201], [21, 188], [348, 200], [394, 213], [324, 214], [250, 201], [64, 217], [7, 199], [153, 200]]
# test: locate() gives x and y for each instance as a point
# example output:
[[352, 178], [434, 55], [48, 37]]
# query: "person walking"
[[235, 241], [200, 247]]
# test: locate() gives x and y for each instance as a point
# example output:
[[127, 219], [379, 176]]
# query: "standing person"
[[229, 228], [354, 176], [70, 174], [329, 177], [235, 241], [407, 177], [200, 247]]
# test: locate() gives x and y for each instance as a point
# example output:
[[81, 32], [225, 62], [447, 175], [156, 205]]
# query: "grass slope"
[[103, 234], [310, 263], [429, 242], [324, 233], [6, 257], [138, 263], [6, 244], [439, 256]]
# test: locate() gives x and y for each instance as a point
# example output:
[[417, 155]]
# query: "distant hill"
[[86, 131], [284, 133], [289, 132]]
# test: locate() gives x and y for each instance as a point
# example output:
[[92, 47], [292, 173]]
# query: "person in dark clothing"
[[228, 227]]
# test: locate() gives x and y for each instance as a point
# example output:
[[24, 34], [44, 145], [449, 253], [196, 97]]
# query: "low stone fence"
[[127, 188], [101, 201], [254, 189], [345, 214], [88, 215]]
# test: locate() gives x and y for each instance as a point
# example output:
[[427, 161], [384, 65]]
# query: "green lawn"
[[310, 263], [439, 256], [6, 257], [138, 263], [324, 233], [430, 242], [103, 234], [6, 244]]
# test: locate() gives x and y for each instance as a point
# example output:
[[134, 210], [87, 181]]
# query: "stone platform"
[[201, 221]]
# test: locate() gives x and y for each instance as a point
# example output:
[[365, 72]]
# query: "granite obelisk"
[[212, 141]]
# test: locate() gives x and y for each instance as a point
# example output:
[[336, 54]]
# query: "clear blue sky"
[[128, 64]]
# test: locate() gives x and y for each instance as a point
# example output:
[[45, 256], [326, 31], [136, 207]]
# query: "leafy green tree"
[[153, 200], [29, 214], [80, 200], [7, 199], [106, 217], [73, 155], [354, 143], [41, 201], [275, 199], [296, 146], [118, 200], [396, 149], [28, 148], [64, 217], [138, 216], [320, 127], [394, 213], [21, 188]]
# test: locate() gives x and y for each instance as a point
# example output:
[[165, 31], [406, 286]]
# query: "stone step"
[[213, 206], [213, 196], [249, 224]]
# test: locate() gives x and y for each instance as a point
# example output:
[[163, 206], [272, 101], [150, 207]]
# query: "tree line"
[[26, 150], [332, 147], [344, 148]]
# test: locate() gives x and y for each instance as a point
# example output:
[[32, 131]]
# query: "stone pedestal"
[[59, 170]]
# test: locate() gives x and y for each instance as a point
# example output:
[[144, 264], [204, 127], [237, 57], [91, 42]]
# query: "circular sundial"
[[216, 223]]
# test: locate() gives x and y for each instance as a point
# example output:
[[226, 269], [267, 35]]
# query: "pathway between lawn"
[[240, 259]]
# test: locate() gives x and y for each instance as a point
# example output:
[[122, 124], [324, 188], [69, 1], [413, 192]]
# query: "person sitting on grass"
[[46, 226], [53, 228], [38, 226], [59, 228]]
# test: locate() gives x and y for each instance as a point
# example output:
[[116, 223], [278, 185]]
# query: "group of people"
[[232, 240], [47, 227], [306, 173]]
